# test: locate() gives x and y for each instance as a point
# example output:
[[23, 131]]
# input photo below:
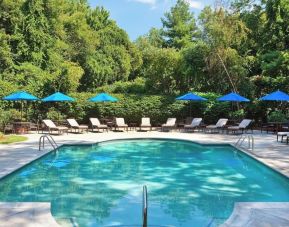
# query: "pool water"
[[101, 185]]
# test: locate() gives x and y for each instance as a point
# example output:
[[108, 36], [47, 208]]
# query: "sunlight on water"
[[188, 184]]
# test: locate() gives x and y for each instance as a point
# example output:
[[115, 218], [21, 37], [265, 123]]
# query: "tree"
[[224, 33], [179, 26], [193, 73], [161, 69]]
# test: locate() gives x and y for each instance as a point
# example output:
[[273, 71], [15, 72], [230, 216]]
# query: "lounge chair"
[[171, 124], [119, 124], [282, 135], [95, 123], [74, 125], [145, 123], [195, 123], [220, 125], [52, 127], [241, 127]]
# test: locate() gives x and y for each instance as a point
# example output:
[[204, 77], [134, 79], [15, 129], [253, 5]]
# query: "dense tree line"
[[242, 47], [65, 45], [48, 45]]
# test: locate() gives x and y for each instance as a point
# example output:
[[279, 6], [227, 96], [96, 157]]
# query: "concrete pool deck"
[[14, 156]]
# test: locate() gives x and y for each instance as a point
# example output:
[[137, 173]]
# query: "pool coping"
[[254, 156]]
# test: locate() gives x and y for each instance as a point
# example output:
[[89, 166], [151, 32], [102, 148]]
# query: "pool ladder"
[[243, 138], [49, 139], [145, 207]]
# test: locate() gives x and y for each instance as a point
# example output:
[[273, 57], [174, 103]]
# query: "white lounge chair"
[[282, 135], [196, 122], [119, 124], [95, 123], [52, 127], [74, 125], [241, 127], [145, 123], [220, 124], [170, 124]]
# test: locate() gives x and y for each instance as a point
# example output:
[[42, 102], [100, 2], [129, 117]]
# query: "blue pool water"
[[101, 185]]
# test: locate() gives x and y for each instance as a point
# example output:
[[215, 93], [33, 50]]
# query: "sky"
[[137, 17]]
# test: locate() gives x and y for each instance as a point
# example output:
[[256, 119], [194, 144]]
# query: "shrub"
[[7, 116], [134, 106], [277, 116], [137, 86], [55, 115], [237, 115]]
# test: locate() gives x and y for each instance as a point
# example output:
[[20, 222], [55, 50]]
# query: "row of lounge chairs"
[[94, 123], [220, 125], [120, 124]]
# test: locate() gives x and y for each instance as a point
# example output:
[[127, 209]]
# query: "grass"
[[12, 139]]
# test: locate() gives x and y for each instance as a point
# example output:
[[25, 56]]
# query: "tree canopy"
[[65, 45]]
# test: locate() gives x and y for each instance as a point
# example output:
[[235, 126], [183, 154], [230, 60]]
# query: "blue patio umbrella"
[[191, 97], [58, 97], [233, 97], [276, 96], [21, 96], [103, 97]]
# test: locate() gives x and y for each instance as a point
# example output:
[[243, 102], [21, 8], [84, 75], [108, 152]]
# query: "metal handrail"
[[242, 139], [145, 207], [50, 140]]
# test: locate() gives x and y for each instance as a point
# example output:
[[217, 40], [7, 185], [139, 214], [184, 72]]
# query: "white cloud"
[[149, 2], [195, 4]]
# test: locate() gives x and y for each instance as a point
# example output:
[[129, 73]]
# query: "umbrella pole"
[[21, 109], [58, 114], [190, 109], [26, 110]]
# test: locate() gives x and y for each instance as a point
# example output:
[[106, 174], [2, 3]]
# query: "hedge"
[[133, 107]]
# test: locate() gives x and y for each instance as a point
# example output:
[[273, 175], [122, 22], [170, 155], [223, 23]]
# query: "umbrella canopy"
[[58, 97], [103, 97], [276, 96], [233, 97], [191, 97], [20, 96]]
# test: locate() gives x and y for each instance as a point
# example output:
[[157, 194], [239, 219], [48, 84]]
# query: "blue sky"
[[138, 16]]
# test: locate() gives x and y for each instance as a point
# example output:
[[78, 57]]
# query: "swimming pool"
[[101, 185]]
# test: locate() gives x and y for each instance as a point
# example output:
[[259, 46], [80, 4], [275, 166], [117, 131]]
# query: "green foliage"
[[135, 106], [237, 115], [179, 26], [136, 86], [277, 116], [55, 115], [7, 116], [160, 68], [63, 45], [193, 62]]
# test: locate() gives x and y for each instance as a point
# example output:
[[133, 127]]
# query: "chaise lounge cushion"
[[243, 125], [73, 123], [221, 123], [145, 122], [195, 123], [171, 122], [96, 123]]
